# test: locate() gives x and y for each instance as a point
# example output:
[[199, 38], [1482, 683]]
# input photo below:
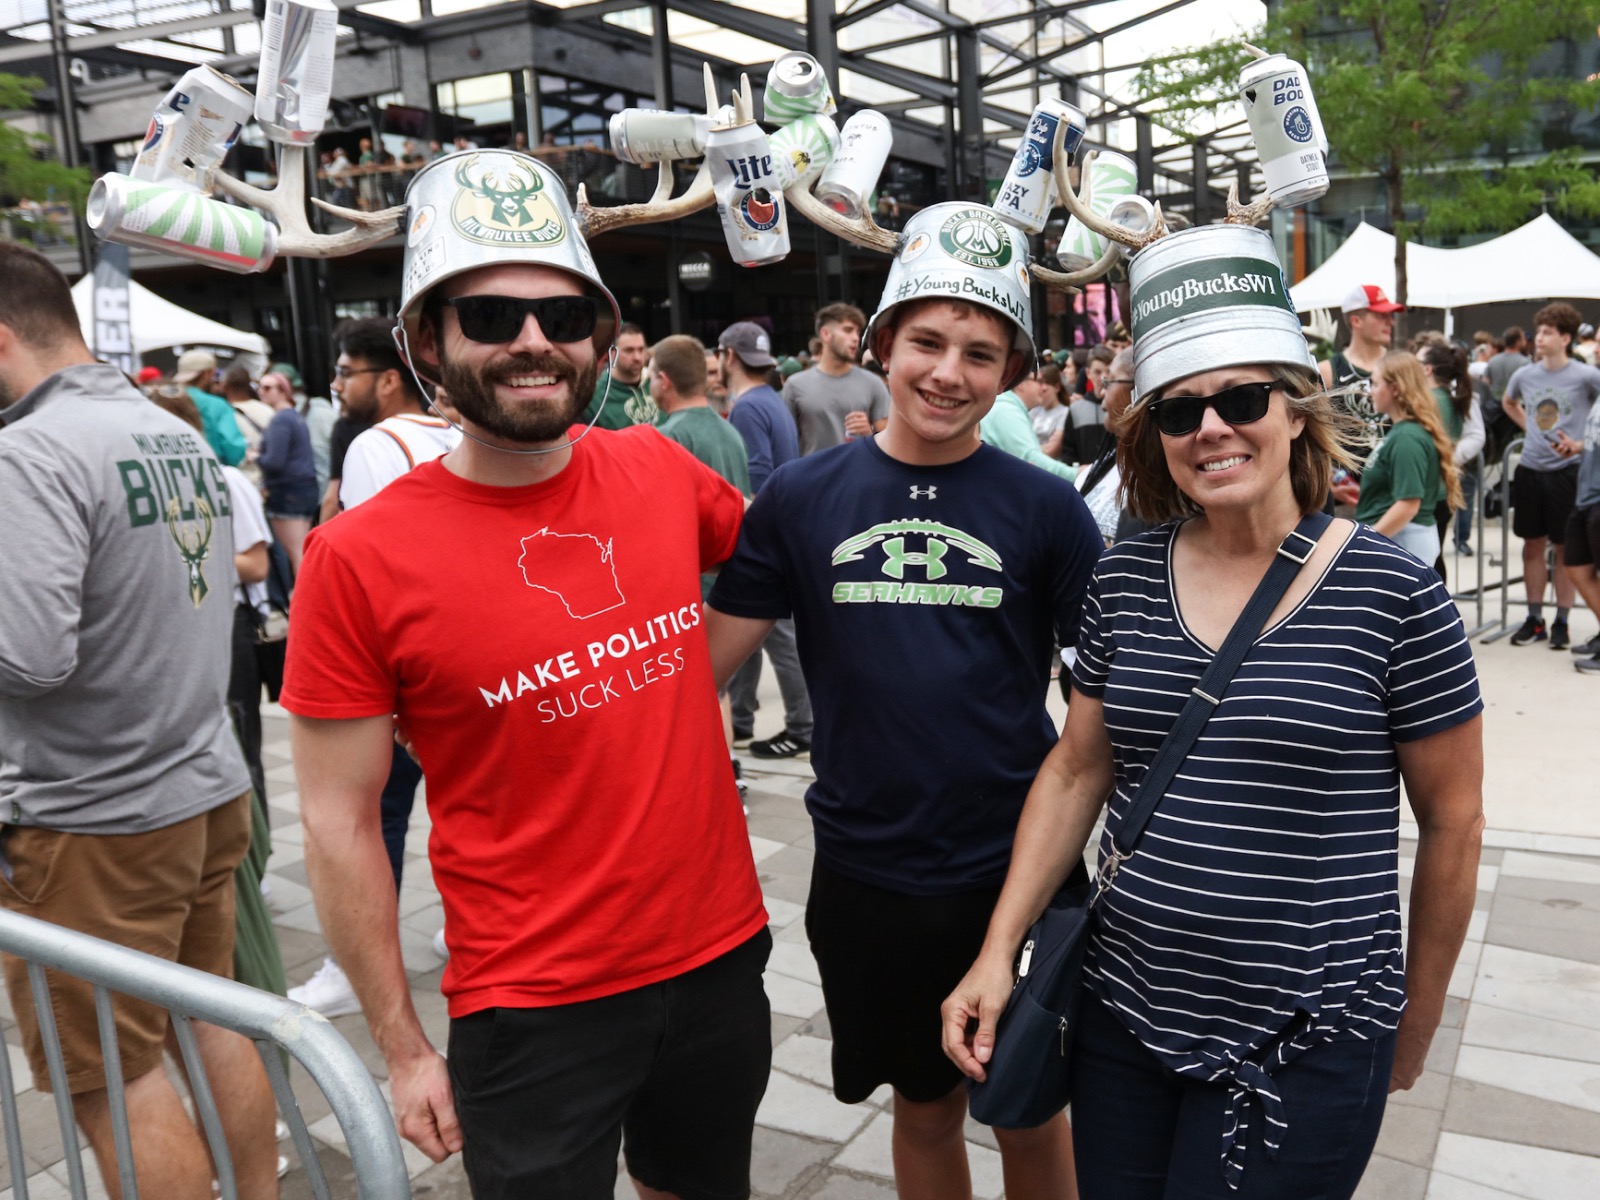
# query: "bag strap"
[[1204, 698]]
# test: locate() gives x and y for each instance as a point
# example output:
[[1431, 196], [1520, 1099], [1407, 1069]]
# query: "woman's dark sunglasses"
[[1238, 405], [499, 319]]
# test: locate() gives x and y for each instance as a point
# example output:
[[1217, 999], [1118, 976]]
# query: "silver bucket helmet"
[[1209, 297], [486, 208], [962, 251]]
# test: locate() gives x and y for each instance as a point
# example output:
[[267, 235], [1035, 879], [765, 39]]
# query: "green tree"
[[1432, 96], [25, 170]]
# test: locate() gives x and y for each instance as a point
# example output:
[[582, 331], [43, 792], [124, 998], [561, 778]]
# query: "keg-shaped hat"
[[483, 208], [1208, 297], [963, 251]]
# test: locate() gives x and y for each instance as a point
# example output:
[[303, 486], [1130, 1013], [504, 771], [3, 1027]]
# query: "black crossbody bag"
[[1029, 1075]]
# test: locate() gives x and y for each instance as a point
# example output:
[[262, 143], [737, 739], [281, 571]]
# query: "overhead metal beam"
[[1100, 36], [114, 37], [586, 12], [845, 19]]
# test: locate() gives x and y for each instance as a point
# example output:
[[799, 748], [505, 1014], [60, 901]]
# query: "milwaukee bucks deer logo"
[[506, 207], [194, 543]]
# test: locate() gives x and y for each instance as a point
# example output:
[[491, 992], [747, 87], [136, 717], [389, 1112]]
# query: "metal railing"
[[270, 1022]]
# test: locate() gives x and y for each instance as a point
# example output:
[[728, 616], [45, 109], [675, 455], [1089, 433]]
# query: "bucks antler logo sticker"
[[505, 207], [976, 237], [194, 543]]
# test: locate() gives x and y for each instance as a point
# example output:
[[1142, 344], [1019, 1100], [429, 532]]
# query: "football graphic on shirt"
[[575, 568]]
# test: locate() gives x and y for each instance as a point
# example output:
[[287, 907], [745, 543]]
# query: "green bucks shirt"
[[1405, 466], [621, 404]]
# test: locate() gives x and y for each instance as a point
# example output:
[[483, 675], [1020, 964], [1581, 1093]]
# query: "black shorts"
[[887, 962], [1582, 540], [1542, 502], [674, 1071]]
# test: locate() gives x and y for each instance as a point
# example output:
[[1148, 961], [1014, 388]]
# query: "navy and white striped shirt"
[[1260, 913]]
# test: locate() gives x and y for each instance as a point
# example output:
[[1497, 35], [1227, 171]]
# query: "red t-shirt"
[[543, 648]]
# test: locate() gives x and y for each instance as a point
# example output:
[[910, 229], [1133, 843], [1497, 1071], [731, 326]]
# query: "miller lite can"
[[1286, 128], [802, 148], [749, 198], [796, 86], [647, 135], [296, 76], [181, 222], [851, 177], [1029, 191], [192, 130]]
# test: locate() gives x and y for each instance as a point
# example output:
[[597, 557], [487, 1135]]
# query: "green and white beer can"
[[802, 148], [1112, 179], [796, 86], [181, 222]]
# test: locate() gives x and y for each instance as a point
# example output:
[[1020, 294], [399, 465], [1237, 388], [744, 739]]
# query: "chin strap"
[[402, 343]]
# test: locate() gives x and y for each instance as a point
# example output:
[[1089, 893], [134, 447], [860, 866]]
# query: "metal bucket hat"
[[1208, 297], [482, 208], [961, 251]]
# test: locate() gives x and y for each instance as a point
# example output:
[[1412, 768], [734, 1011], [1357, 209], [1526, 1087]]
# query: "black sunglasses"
[[1239, 405], [498, 319]]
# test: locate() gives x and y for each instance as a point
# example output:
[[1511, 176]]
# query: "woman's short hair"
[[1149, 492]]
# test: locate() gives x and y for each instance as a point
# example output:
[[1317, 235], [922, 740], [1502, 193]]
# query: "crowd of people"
[[537, 561]]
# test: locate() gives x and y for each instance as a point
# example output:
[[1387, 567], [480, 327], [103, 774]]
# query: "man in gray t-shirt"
[[1582, 541], [836, 399], [1550, 401], [125, 798]]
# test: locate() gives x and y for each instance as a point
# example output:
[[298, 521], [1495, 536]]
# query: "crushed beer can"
[[802, 148], [296, 77], [1028, 192], [848, 181], [1286, 129], [192, 129], [182, 222], [796, 87], [749, 197], [647, 135]]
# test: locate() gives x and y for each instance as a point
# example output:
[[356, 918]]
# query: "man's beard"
[[472, 394]]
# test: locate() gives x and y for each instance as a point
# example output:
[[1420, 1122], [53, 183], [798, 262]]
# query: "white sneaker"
[[327, 992], [439, 947]]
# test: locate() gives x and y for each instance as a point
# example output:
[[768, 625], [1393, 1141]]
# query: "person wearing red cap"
[[1370, 314]]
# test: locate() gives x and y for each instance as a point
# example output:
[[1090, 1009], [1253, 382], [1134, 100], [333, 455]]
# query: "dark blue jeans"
[[1141, 1132], [399, 794]]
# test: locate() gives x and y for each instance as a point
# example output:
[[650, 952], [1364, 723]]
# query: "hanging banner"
[[113, 332]]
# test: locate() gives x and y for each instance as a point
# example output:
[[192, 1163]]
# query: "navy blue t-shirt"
[[926, 603], [768, 429]]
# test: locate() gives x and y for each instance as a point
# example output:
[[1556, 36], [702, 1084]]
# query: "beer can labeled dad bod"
[[1286, 129], [1029, 191], [192, 130], [648, 135], [857, 165], [796, 86], [181, 222], [749, 200]]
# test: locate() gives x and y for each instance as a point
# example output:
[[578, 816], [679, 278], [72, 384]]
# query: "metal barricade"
[[1502, 625], [270, 1022]]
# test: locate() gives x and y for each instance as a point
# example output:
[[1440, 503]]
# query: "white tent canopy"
[[159, 324], [1536, 261]]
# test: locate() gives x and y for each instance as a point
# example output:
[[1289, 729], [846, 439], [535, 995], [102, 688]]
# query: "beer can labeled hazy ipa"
[[1029, 191], [795, 86], [802, 148], [848, 182], [648, 135], [192, 130], [296, 79], [182, 222], [749, 200], [1277, 99]]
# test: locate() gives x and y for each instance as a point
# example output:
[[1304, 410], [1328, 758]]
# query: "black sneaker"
[[1463, 549], [1532, 630], [1588, 649], [742, 738], [1558, 635], [1590, 666], [785, 745]]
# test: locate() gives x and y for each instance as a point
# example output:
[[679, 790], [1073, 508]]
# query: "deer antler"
[[286, 205], [1071, 281], [859, 229], [1247, 214], [1078, 203], [662, 206]]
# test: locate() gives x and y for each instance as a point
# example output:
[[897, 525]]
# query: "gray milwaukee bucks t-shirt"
[[116, 612], [1555, 402], [819, 403]]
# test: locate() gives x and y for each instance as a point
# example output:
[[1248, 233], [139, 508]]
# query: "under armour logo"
[[899, 558], [927, 493]]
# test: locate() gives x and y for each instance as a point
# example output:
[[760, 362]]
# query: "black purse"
[[1029, 1075]]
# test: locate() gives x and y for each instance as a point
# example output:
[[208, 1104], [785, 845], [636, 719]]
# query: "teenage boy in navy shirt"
[[929, 576]]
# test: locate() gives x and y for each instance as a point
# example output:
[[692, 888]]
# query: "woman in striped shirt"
[[1248, 1005]]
